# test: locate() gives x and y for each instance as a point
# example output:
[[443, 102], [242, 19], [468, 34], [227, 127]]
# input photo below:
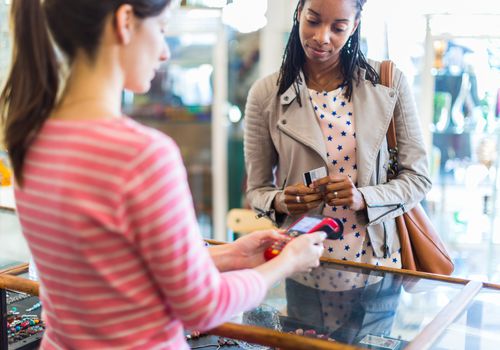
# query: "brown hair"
[[31, 89]]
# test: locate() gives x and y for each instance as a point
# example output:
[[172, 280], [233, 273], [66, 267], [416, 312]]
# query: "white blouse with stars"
[[335, 116]]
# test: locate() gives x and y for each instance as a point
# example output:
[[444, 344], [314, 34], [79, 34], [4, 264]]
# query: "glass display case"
[[346, 305], [477, 326], [187, 101], [378, 308], [21, 326]]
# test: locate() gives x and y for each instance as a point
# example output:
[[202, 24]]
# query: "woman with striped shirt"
[[103, 201]]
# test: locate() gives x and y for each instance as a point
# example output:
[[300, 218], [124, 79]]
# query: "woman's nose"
[[165, 53], [322, 35]]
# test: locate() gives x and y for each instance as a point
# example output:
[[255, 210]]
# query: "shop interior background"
[[449, 50]]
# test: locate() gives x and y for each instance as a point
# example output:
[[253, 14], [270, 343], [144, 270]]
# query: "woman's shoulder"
[[375, 64], [266, 86], [143, 137]]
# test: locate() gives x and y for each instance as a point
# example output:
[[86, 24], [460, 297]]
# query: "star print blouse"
[[336, 119]]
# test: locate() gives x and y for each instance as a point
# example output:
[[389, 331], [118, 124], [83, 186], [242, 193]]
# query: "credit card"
[[312, 175]]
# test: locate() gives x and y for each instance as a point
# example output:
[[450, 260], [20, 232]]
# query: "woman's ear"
[[299, 12], [124, 23], [356, 23]]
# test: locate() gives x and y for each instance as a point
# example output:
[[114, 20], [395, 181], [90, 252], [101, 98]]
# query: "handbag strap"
[[386, 69]]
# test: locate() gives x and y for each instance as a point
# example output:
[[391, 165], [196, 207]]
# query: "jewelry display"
[[15, 297], [221, 341], [24, 324], [263, 316], [20, 327], [311, 333]]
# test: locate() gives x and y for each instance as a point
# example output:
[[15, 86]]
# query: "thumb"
[[317, 237], [271, 235]]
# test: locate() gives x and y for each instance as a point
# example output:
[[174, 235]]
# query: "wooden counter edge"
[[15, 270], [8, 209], [19, 284], [272, 338], [393, 270]]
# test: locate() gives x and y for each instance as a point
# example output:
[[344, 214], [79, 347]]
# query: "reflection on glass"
[[354, 306], [477, 328]]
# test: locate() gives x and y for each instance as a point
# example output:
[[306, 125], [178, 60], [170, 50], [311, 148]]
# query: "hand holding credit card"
[[340, 190], [312, 175]]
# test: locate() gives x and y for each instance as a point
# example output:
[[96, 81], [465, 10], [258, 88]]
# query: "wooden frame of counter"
[[8, 209], [15, 270], [419, 274]]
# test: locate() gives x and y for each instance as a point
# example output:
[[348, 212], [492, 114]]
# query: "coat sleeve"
[[261, 157], [389, 200]]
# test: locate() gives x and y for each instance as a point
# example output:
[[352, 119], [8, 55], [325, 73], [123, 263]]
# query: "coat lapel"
[[373, 107], [301, 123]]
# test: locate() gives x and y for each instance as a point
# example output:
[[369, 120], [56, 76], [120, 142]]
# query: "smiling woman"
[[326, 108]]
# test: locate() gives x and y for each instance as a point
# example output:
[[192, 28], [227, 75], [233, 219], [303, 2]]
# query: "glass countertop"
[[477, 327], [353, 305]]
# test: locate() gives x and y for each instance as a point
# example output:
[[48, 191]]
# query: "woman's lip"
[[318, 51]]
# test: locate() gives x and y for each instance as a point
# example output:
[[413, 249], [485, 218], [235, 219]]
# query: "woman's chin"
[[139, 88]]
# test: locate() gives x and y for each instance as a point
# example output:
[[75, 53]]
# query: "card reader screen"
[[305, 224]]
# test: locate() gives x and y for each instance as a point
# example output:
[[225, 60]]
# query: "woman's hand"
[[299, 255], [297, 199], [304, 251], [248, 250], [340, 191]]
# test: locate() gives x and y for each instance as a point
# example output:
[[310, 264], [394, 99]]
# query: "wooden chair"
[[244, 221]]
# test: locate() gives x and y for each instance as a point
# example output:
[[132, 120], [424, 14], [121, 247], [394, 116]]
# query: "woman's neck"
[[323, 78], [93, 91]]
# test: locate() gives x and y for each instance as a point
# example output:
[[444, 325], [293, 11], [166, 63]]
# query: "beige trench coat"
[[283, 140]]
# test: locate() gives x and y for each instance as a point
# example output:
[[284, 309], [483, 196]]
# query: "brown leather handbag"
[[421, 246]]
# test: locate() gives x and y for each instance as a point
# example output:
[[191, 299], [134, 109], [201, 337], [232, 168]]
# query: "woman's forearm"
[[224, 257], [275, 270]]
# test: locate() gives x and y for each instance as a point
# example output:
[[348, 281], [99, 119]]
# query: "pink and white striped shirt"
[[108, 216]]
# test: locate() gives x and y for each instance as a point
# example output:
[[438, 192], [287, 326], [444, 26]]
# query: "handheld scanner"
[[333, 228]]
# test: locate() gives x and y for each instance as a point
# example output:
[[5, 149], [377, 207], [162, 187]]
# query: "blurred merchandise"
[[5, 170], [186, 102]]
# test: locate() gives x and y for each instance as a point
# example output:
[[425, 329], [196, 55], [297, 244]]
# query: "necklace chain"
[[323, 86]]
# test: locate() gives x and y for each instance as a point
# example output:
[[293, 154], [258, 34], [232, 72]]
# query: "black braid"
[[351, 58], [294, 58]]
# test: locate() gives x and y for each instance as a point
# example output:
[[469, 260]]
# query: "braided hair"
[[351, 58]]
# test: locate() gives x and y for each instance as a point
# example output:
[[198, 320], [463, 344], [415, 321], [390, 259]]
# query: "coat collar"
[[373, 107], [290, 94], [299, 122]]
